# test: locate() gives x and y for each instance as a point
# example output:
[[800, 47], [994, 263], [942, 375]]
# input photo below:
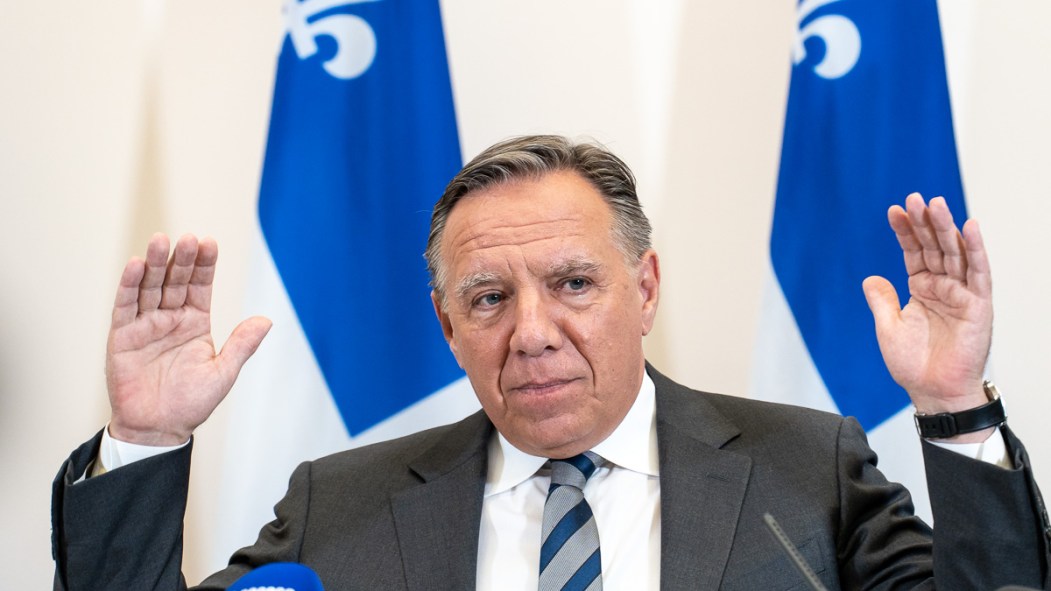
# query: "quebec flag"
[[868, 122], [362, 141]]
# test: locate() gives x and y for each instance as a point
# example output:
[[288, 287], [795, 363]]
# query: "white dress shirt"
[[624, 495]]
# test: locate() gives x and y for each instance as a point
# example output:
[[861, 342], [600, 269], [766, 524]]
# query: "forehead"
[[560, 211]]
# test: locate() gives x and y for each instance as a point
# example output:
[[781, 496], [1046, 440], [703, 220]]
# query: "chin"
[[556, 440]]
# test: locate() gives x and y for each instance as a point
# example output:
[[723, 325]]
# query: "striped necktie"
[[569, 550]]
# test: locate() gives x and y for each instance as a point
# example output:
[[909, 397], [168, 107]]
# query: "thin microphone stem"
[[793, 553]]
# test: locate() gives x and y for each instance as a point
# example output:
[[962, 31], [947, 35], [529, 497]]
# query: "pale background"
[[121, 118]]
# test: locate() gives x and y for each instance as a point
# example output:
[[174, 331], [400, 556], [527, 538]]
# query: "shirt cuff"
[[992, 451], [114, 453]]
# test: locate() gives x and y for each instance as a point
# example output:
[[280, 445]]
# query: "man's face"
[[543, 312]]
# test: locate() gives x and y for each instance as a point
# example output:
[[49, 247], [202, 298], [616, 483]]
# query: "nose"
[[536, 327]]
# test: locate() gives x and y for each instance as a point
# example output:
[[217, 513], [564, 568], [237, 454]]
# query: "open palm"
[[162, 372], [936, 346]]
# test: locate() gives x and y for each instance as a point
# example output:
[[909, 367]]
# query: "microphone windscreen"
[[279, 576]]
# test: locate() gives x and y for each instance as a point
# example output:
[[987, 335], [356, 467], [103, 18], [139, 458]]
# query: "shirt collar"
[[632, 445]]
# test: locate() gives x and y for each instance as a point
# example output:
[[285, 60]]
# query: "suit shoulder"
[[740, 408], [747, 418], [452, 443]]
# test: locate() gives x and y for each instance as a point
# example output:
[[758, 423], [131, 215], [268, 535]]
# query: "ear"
[[649, 282], [447, 327]]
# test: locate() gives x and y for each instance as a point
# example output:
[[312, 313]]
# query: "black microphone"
[[283, 576], [793, 553]]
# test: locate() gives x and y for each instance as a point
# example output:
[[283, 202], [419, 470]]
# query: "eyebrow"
[[575, 266], [472, 281]]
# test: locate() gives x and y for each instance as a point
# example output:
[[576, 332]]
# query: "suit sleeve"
[[990, 528], [124, 529], [880, 543], [121, 530], [281, 540], [991, 524]]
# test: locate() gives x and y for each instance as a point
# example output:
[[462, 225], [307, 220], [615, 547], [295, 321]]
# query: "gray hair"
[[532, 157]]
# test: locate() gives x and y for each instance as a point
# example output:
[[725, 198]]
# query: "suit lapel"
[[437, 522], [702, 490], [702, 487]]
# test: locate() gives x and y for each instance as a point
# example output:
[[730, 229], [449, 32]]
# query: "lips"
[[542, 387]]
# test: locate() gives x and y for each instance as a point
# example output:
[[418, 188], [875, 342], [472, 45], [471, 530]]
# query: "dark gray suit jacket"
[[405, 514]]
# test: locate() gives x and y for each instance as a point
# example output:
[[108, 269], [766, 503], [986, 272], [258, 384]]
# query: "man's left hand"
[[936, 346]]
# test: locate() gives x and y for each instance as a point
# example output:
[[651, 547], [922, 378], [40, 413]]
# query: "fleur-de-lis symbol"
[[355, 41], [840, 35]]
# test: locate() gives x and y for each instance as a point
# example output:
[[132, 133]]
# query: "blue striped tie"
[[569, 551]]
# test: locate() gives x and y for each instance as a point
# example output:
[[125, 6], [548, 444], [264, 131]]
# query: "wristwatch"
[[948, 424]]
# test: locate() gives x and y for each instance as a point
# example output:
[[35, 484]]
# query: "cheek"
[[614, 346], [481, 353]]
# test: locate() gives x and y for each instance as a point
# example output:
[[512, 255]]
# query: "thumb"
[[243, 342], [883, 301]]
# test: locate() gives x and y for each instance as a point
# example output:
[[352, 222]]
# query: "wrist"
[[114, 453], [954, 398], [146, 437], [973, 424]]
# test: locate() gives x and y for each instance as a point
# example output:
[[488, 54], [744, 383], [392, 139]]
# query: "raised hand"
[[163, 375], [936, 346]]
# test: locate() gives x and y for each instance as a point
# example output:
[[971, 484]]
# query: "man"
[[544, 282]]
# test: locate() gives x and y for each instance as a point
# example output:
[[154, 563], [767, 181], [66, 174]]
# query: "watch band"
[[948, 424]]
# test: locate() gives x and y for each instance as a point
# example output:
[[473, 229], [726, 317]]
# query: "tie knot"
[[574, 471]]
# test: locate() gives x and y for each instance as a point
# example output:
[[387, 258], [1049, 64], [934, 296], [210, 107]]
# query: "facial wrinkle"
[[481, 237]]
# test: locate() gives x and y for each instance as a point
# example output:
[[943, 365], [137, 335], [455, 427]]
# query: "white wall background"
[[121, 118]]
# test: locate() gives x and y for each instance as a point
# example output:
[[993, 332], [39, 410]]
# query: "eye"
[[576, 284], [488, 300]]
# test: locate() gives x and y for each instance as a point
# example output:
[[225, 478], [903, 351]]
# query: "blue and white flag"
[[868, 122], [362, 141]]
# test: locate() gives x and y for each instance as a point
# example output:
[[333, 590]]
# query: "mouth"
[[541, 388]]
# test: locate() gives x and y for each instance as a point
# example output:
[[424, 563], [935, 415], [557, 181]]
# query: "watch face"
[[991, 391]]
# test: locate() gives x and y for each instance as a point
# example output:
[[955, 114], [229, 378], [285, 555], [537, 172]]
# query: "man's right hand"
[[162, 372]]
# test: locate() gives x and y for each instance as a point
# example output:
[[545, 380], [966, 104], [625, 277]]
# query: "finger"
[[180, 268], [126, 304], [153, 277], [979, 277], [919, 216], [949, 239], [883, 301], [199, 290], [881, 297], [243, 342], [910, 246]]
